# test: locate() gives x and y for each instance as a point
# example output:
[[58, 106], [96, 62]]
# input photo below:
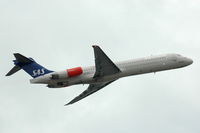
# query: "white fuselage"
[[127, 68]]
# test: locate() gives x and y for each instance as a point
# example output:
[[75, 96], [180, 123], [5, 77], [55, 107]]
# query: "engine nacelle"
[[72, 72]]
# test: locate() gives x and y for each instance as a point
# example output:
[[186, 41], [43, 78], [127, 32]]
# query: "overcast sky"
[[59, 33]]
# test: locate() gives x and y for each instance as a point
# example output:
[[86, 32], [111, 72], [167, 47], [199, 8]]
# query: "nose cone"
[[189, 61]]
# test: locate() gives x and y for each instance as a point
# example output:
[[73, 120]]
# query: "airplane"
[[102, 74]]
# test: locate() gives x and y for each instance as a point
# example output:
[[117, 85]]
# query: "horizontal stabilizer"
[[22, 59], [13, 70], [28, 65]]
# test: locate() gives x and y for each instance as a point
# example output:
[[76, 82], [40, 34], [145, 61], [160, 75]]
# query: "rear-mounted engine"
[[74, 72]]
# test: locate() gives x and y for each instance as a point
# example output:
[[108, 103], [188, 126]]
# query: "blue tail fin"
[[28, 65]]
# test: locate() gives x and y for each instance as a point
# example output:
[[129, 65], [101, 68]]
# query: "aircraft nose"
[[189, 61]]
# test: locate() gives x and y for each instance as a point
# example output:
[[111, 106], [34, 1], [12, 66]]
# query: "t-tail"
[[28, 65]]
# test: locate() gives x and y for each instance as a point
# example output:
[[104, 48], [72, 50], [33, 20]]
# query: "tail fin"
[[28, 65]]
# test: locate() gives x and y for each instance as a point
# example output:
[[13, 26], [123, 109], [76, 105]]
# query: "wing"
[[90, 90], [104, 66]]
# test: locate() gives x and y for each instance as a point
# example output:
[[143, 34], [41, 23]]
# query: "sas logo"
[[38, 72]]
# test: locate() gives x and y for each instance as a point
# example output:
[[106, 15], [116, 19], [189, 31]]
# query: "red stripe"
[[74, 71]]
